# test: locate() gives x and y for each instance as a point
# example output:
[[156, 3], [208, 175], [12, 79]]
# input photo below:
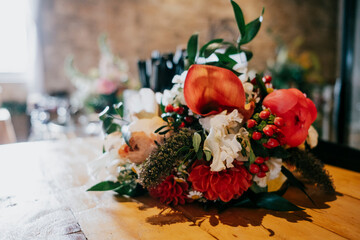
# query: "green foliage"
[[311, 168], [104, 186], [165, 158], [192, 48], [127, 184], [110, 122], [272, 201]]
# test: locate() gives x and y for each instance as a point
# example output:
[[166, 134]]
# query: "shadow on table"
[[196, 215]]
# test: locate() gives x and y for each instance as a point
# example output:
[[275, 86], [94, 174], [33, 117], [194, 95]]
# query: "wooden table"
[[42, 196]]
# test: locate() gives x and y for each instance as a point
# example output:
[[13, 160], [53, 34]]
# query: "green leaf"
[[207, 155], [196, 141], [257, 189], [104, 186], [226, 60], [103, 115], [274, 202], [207, 45], [239, 17], [160, 128], [261, 85], [251, 157], [126, 134], [248, 54], [192, 48], [252, 29], [199, 155], [231, 50], [132, 189], [119, 108]]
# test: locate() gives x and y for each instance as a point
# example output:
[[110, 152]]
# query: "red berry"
[[272, 142], [261, 174], [267, 79], [254, 169], [259, 160], [264, 168], [251, 123], [169, 108], [256, 135], [179, 110], [264, 114], [189, 119], [253, 81], [268, 130], [279, 121], [182, 125], [267, 158]]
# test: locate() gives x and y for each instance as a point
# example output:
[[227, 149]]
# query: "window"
[[14, 40]]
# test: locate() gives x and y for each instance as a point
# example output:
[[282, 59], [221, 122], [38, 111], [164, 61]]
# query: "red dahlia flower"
[[297, 111], [226, 185], [210, 90], [171, 191]]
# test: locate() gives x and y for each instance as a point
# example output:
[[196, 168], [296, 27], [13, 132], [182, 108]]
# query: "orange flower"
[[210, 90]]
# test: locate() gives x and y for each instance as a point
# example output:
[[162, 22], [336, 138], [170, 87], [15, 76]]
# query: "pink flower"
[[106, 87]]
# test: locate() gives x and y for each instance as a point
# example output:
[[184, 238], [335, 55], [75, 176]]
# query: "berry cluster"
[[259, 167], [265, 128], [177, 116]]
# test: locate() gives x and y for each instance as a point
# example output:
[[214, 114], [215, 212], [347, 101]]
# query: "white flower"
[[174, 96], [147, 125], [312, 138], [241, 60], [194, 195], [222, 139], [274, 165], [142, 104]]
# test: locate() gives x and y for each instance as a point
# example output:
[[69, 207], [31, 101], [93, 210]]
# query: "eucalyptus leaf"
[[196, 141], [272, 201], [239, 17], [104, 186], [192, 48]]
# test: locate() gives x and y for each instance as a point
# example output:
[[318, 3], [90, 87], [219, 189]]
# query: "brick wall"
[[136, 27]]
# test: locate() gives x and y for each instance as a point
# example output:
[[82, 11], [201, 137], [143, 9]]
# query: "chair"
[[7, 133]]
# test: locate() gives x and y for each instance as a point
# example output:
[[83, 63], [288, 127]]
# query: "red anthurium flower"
[[297, 111], [210, 90]]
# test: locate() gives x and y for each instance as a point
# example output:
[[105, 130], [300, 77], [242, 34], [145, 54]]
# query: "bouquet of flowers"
[[221, 135], [102, 86]]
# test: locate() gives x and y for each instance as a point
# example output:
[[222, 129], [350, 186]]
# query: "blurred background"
[[62, 61]]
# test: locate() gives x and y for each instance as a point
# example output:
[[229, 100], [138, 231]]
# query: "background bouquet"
[[102, 86], [221, 135]]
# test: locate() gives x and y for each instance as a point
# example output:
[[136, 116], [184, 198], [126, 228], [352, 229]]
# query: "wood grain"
[[43, 196]]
